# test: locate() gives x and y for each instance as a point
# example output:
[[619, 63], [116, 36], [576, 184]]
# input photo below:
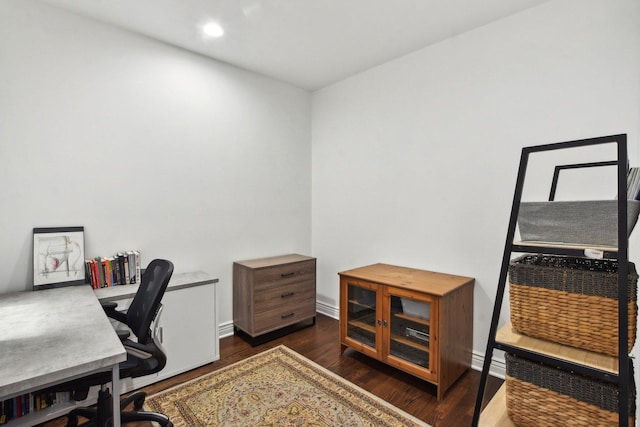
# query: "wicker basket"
[[571, 301], [540, 396]]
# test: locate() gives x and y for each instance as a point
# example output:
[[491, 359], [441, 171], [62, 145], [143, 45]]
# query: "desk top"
[[51, 336]]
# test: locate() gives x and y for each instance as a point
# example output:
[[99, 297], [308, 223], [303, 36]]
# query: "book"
[[121, 258], [91, 276], [87, 271], [95, 274], [138, 270], [117, 270], [105, 272], [99, 267], [132, 267], [112, 273], [125, 266]]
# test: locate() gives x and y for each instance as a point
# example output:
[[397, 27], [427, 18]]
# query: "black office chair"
[[144, 357]]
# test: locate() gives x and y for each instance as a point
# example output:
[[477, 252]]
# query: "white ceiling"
[[308, 43]]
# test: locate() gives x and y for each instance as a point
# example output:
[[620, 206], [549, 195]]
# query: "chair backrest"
[[147, 300]]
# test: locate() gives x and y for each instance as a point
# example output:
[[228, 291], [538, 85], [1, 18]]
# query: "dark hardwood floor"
[[320, 344]]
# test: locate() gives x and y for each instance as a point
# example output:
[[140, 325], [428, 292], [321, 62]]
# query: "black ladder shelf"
[[618, 375]]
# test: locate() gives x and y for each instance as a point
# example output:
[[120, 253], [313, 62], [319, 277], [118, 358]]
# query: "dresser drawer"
[[285, 315], [279, 275], [285, 295]]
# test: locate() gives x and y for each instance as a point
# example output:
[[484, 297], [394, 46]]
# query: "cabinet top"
[[409, 278], [274, 260], [178, 281]]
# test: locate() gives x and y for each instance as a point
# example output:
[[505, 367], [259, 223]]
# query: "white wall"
[[415, 161], [147, 146]]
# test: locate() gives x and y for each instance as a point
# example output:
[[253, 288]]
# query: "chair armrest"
[[141, 351], [108, 305], [123, 334], [138, 353], [109, 308]]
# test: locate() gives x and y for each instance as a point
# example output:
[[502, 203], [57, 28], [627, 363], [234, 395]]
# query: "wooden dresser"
[[271, 293]]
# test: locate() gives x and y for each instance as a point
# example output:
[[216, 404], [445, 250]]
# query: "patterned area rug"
[[278, 387]]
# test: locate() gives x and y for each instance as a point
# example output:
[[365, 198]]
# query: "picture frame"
[[58, 257]]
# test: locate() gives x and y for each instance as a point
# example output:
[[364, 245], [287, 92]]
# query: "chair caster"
[[79, 395], [72, 421], [138, 403]]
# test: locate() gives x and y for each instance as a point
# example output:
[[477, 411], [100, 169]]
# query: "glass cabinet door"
[[410, 330], [361, 315]]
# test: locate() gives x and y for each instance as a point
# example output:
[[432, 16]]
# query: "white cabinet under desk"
[[187, 325]]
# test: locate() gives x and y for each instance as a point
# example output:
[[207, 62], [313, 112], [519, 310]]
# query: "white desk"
[[54, 335]]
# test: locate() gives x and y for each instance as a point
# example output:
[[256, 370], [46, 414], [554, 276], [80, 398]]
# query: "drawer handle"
[[285, 316], [288, 294], [287, 274]]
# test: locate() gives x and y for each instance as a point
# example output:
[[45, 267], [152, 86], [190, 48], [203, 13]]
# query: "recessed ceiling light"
[[213, 30]]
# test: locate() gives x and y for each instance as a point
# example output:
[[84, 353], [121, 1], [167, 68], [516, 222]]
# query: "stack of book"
[[120, 269], [24, 404]]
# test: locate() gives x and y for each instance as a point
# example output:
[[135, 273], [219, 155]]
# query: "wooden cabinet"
[[271, 293], [415, 320]]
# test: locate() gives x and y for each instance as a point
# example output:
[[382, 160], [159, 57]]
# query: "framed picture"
[[58, 257]]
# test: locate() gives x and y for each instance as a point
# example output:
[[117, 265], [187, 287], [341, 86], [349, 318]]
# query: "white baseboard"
[[225, 329], [328, 310], [497, 368]]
